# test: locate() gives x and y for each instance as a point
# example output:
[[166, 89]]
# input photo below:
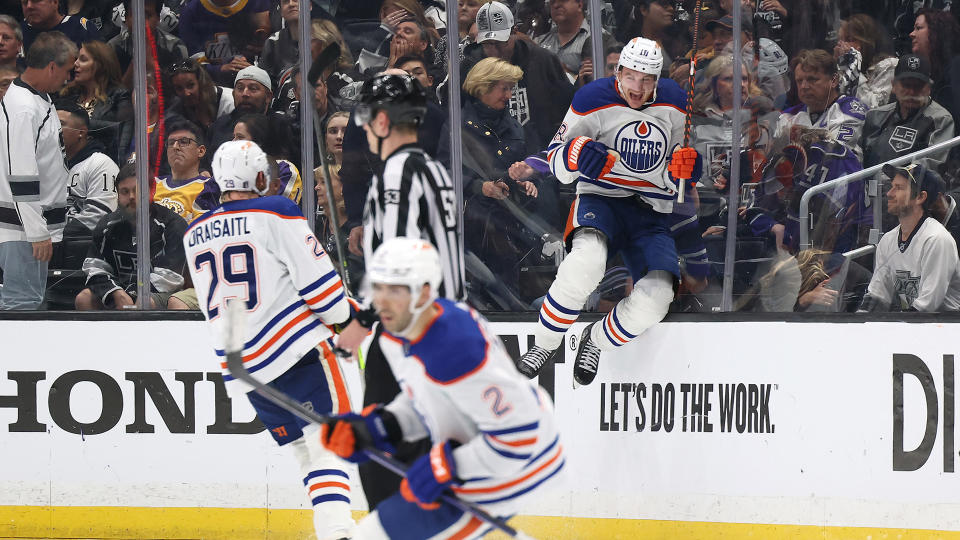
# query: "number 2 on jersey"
[[498, 407], [222, 267]]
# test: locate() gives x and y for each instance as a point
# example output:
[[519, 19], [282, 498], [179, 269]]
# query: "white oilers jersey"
[[922, 273], [458, 383], [843, 120], [645, 138], [262, 251]]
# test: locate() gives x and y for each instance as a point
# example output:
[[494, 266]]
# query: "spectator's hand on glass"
[[777, 231], [520, 171], [121, 299], [586, 70], [42, 250], [819, 296], [353, 241], [496, 189], [528, 187]]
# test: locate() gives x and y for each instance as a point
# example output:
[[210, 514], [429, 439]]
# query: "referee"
[[413, 197]]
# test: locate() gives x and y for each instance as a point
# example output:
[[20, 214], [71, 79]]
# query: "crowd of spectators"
[[829, 87]]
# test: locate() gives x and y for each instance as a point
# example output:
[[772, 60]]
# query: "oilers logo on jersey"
[[642, 146]]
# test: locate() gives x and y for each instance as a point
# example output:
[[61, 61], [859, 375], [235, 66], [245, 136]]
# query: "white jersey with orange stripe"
[[262, 251], [459, 383], [644, 138]]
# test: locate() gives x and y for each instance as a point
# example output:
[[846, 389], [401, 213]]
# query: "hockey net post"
[[234, 322]]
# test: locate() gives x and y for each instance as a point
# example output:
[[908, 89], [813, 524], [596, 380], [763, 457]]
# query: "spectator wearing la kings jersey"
[[542, 96], [914, 121], [44, 15], [91, 191], [111, 266], [33, 180], [917, 266]]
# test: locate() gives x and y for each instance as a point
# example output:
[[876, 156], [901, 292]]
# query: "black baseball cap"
[[912, 66], [929, 180]]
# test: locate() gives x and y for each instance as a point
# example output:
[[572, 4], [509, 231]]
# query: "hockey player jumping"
[[616, 140], [494, 437]]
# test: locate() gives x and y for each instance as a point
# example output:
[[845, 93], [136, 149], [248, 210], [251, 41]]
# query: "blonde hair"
[[706, 96], [327, 32], [489, 72]]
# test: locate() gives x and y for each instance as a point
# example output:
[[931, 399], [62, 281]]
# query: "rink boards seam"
[[249, 523]]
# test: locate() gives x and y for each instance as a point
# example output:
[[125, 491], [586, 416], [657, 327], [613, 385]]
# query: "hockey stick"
[[234, 318], [325, 59], [688, 124]]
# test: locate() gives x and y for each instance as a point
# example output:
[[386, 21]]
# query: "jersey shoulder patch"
[[596, 95], [453, 346], [670, 93], [852, 106]]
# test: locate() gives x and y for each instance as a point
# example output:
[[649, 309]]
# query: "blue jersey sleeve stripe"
[[516, 429], [267, 327], [526, 489], [329, 304], [504, 453], [290, 341], [316, 284]]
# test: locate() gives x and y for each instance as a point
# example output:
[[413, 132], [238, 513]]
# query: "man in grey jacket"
[[913, 122]]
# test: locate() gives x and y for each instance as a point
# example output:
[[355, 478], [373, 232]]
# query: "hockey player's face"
[[814, 88], [393, 305], [637, 88]]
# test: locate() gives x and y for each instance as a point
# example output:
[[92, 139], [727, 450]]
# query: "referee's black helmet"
[[402, 97]]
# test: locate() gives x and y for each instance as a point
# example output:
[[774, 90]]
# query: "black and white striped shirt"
[[414, 197]]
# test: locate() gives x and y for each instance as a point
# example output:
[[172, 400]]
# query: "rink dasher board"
[[739, 423]]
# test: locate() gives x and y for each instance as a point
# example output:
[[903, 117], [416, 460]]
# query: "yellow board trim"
[[257, 523]]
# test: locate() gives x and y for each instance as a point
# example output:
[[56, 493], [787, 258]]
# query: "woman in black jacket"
[[96, 88], [493, 141]]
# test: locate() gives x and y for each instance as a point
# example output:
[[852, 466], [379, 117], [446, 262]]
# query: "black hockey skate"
[[587, 361], [533, 361]]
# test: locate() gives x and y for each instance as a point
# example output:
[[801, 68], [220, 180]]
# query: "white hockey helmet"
[[237, 166], [643, 55], [407, 261]]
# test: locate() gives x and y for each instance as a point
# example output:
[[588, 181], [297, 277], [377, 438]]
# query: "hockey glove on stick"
[[348, 435], [429, 476], [683, 164], [590, 157]]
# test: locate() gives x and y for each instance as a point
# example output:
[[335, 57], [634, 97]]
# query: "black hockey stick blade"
[[234, 320], [327, 57]]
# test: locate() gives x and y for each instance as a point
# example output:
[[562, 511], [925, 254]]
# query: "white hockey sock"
[[327, 485], [646, 306], [577, 277]]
